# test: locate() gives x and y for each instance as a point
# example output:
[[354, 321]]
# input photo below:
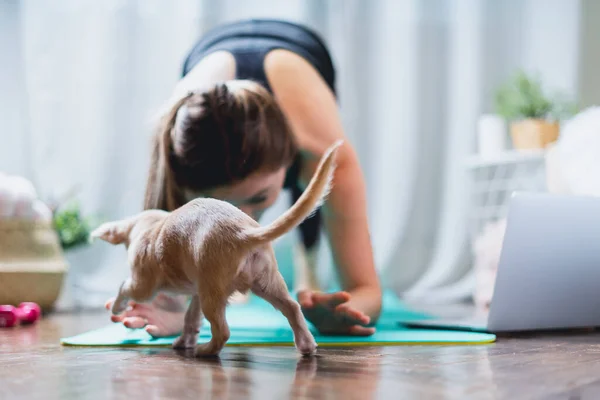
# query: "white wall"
[[13, 107], [589, 50]]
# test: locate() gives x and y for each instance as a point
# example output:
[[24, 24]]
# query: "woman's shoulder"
[[309, 105], [282, 64]]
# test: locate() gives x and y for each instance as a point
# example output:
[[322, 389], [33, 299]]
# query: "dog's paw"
[[207, 350], [306, 345], [185, 342]]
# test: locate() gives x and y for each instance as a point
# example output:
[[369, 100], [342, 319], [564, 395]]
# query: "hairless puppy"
[[209, 249]]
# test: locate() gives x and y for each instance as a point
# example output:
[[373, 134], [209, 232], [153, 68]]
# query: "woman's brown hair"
[[215, 138]]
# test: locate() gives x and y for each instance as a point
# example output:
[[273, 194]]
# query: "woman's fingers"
[[352, 314], [153, 331], [135, 322], [353, 330], [330, 300], [134, 317], [309, 299], [305, 298], [117, 318], [132, 304], [358, 330], [109, 303]]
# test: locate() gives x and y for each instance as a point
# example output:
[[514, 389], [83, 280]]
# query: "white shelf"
[[493, 180], [507, 157]]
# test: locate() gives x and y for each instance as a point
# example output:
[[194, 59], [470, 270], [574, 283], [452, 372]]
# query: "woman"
[[253, 113]]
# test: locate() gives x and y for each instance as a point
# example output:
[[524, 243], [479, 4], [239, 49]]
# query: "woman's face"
[[253, 195]]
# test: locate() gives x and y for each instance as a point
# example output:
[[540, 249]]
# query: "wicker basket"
[[32, 264], [530, 134]]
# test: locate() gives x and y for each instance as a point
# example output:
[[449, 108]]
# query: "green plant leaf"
[[73, 229], [522, 97]]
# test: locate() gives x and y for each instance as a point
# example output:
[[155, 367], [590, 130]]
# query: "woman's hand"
[[162, 317], [333, 313]]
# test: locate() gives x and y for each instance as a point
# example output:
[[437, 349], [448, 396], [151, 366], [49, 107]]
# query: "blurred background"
[[81, 80]]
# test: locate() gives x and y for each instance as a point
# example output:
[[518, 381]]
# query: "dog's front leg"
[[123, 297], [132, 289], [191, 327]]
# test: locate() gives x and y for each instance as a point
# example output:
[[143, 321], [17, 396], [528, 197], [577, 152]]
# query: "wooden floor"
[[33, 365]]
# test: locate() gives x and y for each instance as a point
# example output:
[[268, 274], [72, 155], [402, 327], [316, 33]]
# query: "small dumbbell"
[[26, 313]]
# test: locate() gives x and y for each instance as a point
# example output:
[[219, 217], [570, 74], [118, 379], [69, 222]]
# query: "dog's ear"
[[116, 232]]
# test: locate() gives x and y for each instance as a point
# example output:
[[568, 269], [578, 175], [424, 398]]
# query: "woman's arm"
[[312, 111]]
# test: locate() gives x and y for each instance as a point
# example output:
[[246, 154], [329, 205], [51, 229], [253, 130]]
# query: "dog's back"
[[203, 231]]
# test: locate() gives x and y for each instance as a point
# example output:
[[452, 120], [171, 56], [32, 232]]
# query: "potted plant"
[[73, 229], [534, 116]]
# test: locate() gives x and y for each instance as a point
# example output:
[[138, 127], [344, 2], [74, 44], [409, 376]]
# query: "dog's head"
[[127, 230]]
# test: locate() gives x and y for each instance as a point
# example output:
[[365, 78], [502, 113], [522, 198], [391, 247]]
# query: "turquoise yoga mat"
[[258, 324]]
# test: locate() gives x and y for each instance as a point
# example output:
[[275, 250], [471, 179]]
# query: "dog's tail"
[[307, 204]]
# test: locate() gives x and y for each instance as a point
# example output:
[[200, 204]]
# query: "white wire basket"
[[493, 180]]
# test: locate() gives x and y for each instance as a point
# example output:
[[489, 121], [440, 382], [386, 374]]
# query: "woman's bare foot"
[[162, 317]]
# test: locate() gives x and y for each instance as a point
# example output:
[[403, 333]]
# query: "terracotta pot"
[[530, 134], [32, 265]]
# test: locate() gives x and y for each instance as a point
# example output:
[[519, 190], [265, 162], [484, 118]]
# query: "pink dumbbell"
[[26, 313]]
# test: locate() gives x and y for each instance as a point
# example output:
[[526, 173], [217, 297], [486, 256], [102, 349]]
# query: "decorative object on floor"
[[491, 135], [486, 253], [19, 200], [534, 115], [32, 265], [259, 324], [25, 314]]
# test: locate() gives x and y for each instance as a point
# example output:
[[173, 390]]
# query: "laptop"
[[548, 274]]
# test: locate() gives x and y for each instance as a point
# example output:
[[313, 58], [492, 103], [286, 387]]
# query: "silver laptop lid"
[[549, 270]]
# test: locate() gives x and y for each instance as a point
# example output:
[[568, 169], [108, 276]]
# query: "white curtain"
[[81, 79]]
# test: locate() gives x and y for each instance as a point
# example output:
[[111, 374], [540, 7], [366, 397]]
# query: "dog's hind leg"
[[191, 327], [274, 290]]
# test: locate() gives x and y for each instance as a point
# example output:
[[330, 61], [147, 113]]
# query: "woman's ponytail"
[[161, 190]]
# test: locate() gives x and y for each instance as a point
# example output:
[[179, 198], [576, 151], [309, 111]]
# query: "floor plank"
[[33, 365]]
